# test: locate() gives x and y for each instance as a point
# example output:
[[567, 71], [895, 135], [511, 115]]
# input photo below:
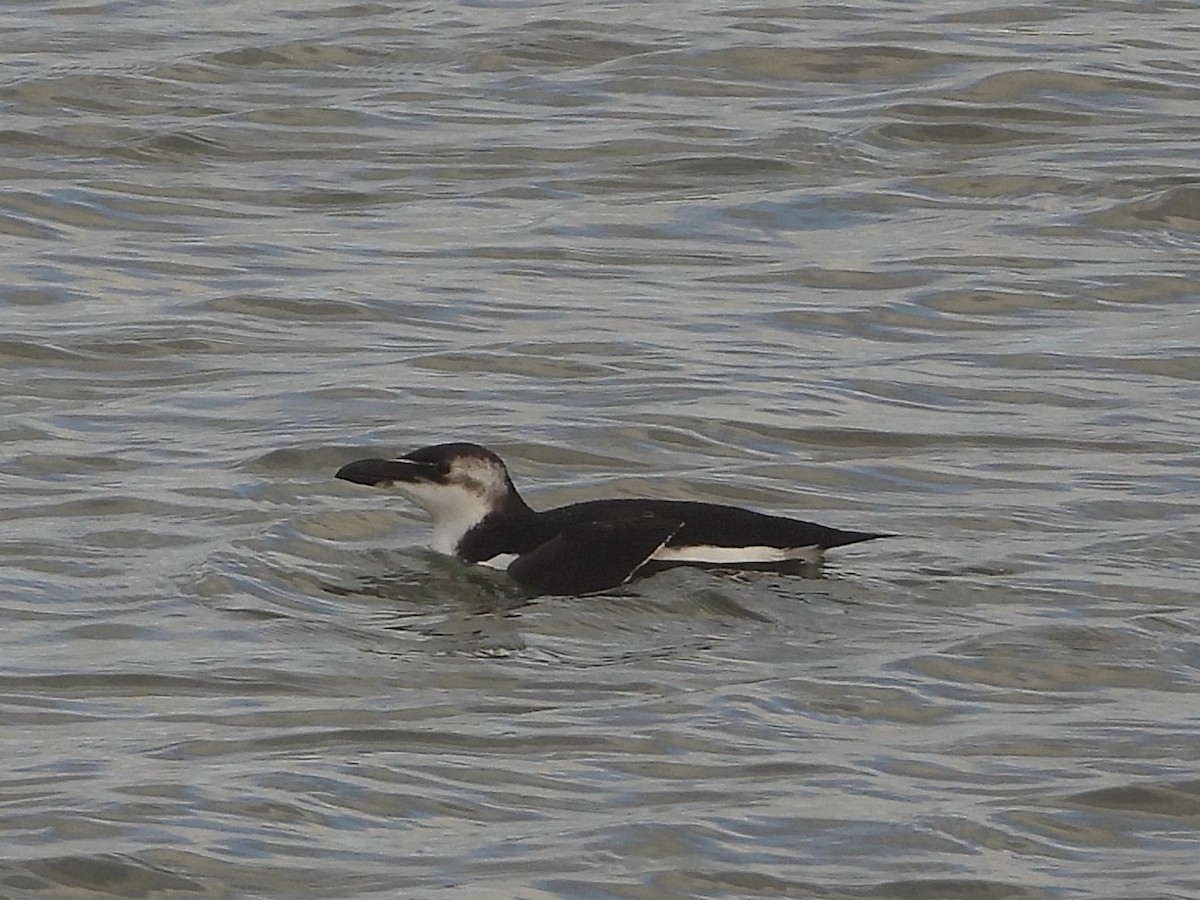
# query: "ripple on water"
[[926, 270]]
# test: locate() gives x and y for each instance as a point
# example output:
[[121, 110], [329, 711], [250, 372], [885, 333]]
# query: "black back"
[[689, 523]]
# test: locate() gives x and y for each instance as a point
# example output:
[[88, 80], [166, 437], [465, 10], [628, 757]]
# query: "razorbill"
[[479, 517]]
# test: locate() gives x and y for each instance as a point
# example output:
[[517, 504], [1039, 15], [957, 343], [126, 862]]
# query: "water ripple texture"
[[923, 268]]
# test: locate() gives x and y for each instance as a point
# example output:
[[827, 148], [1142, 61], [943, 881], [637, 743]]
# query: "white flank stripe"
[[703, 553], [500, 561]]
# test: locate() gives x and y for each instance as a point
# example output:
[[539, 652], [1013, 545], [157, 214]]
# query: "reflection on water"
[[918, 269]]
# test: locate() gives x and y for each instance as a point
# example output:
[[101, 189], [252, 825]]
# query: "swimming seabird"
[[479, 517]]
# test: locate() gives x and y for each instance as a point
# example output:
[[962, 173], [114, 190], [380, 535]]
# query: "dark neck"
[[500, 531], [513, 504]]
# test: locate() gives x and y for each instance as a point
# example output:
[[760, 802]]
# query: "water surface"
[[926, 268]]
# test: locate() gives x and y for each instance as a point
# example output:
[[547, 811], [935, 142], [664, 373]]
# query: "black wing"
[[592, 556], [713, 524]]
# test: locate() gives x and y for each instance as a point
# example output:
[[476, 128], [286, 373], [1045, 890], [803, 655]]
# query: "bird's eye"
[[443, 469]]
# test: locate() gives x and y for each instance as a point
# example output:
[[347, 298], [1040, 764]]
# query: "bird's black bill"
[[382, 472]]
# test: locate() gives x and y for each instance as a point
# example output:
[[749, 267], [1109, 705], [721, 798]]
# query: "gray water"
[[927, 268]]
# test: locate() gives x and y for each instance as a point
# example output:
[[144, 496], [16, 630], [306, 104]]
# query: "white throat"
[[458, 504], [453, 509], [448, 531]]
